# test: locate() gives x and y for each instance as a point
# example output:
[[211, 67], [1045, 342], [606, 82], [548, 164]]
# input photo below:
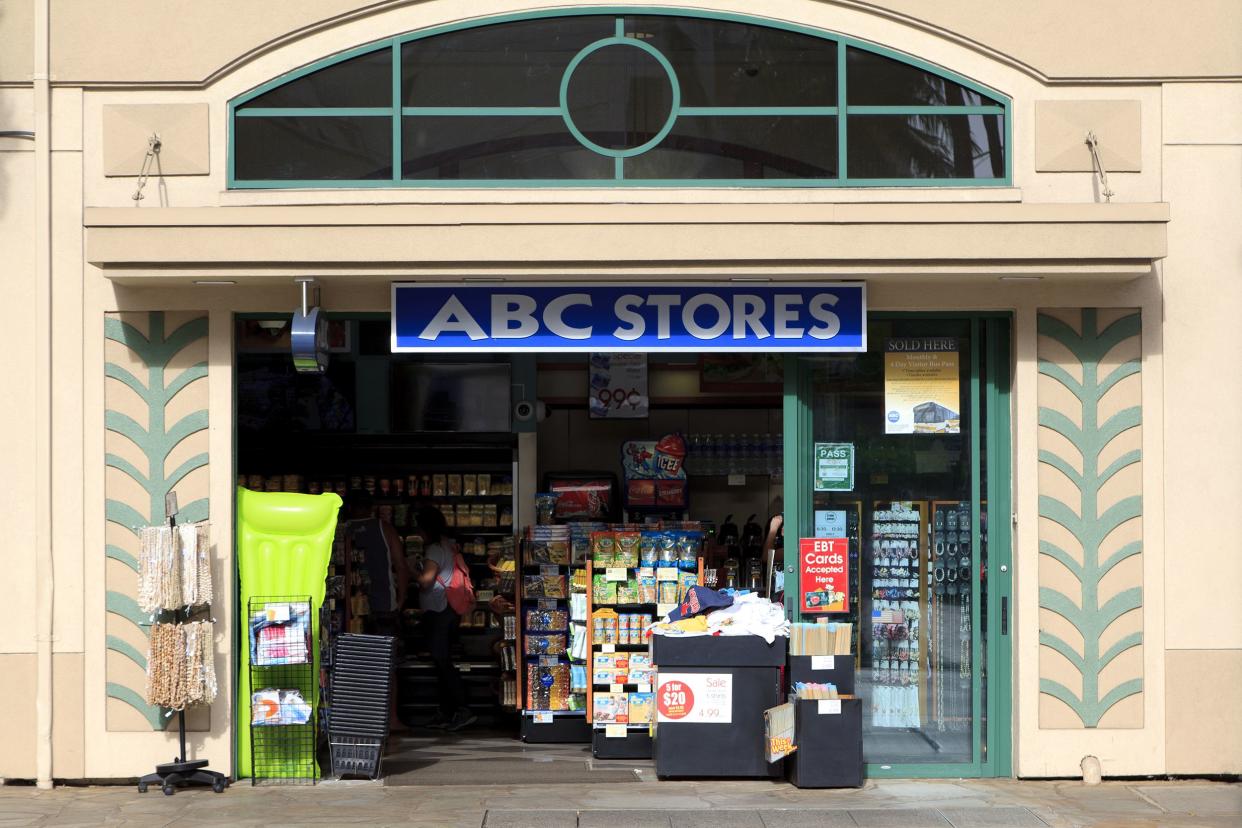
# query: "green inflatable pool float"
[[284, 544]]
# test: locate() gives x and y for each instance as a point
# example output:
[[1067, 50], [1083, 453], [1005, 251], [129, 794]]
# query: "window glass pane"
[[720, 63], [619, 97], [362, 81], [322, 148], [513, 64], [926, 146], [874, 80], [772, 146], [913, 545], [508, 147]]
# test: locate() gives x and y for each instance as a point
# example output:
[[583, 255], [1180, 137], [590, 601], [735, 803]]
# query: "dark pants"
[[442, 629]]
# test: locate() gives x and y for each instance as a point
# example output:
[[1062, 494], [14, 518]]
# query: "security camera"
[[524, 411]]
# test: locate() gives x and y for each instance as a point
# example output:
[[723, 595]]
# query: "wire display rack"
[[283, 724]]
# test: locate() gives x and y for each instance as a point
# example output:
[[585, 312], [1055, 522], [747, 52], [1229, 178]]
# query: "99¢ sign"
[[703, 698], [618, 386]]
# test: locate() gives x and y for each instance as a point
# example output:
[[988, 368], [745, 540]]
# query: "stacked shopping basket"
[[361, 688]]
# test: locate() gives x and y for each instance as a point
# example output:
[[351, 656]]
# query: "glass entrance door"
[[902, 452]]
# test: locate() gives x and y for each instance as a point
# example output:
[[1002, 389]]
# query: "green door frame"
[[994, 723]]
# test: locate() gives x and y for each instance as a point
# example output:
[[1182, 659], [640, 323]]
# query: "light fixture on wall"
[[214, 282], [309, 336]]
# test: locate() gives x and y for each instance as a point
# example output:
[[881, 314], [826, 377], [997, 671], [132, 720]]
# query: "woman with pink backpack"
[[445, 593]]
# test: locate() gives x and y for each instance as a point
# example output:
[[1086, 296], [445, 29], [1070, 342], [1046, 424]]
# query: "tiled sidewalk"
[[713, 804]]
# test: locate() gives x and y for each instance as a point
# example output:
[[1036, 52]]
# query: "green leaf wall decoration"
[[1089, 378], [157, 377]]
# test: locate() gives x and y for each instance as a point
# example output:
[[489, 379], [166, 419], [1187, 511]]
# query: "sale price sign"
[[618, 386], [703, 698], [824, 566]]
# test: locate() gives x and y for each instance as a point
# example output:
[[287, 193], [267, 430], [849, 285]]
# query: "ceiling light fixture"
[[1021, 278], [214, 282]]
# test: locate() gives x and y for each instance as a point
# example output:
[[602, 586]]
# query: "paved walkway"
[[714, 804]]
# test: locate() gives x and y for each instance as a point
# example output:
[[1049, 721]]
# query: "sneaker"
[[462, 718], [437, 722]]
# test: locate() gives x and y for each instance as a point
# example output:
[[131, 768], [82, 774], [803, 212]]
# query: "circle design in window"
[[619, 97]]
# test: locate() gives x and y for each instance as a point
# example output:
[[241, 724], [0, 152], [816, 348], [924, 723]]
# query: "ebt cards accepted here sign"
[[702, 698], [463, 318]]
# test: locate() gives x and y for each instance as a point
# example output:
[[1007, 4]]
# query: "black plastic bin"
[[737, 749], [828, 734], [718, 650], [836, 670]]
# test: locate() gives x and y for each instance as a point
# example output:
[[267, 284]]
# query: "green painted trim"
[[480, 111], [795, 417], [315, 112], [398, 151], [976, 476], [1090, 526], [1003, 107], [999, 760], [116, 553], [927, 110], [156, 716], [120, 604], [119, 645], [743, 111], [629, 42], [607, 183]]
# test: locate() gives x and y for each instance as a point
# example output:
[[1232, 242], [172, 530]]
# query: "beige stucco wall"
[[1189, 154], [1054, 39]]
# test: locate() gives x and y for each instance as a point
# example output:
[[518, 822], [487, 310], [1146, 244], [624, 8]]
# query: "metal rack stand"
[[284, 753], [181, 771]]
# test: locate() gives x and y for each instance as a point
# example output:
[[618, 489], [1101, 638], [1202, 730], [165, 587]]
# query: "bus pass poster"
[[922, 390]]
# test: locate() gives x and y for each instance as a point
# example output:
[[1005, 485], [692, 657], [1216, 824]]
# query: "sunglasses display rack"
[[950, 587], [898, 608]]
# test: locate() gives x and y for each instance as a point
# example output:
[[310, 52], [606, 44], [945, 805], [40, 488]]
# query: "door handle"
[[1004, 615]]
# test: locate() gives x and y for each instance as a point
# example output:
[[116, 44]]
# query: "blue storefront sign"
[[460, 318]]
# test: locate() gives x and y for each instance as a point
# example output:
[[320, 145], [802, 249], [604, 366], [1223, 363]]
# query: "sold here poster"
[[824, 567], [921, 389]]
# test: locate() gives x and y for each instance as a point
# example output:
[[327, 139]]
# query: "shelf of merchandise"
[[631, 747], [544, 726], [936, 535], [922, 509]]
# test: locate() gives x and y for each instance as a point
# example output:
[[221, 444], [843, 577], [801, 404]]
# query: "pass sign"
[[834, 467], [702, 698], [824, 566], [503, 317]]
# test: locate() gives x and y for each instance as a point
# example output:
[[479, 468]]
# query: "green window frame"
[[395, 112]]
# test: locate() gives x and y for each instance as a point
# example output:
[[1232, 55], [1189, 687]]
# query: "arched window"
[[573, 99]]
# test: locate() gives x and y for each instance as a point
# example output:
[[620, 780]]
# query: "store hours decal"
[[698, 698]]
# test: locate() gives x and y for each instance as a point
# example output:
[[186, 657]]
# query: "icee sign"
[[431, 318]]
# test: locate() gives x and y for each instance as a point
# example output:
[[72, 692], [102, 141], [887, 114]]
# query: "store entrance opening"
[[489, 442]]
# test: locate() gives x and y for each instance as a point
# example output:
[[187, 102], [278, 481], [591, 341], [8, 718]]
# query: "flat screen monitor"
[[471, 398]]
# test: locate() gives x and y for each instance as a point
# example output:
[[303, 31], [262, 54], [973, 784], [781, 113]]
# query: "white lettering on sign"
[[452, 318], [748, 311], [744, 316], [553, 312], [515, 308]]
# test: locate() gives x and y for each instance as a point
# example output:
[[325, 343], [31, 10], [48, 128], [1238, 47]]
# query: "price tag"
[[549, 570], [664, 609], [548, 661], [616, 573], [547, 604], [543, 718], [831, 707], [822, 663], [616, 688], [737, 480], [643, 688], [614, 731], [666, 573], [609, 648], [646, 572]]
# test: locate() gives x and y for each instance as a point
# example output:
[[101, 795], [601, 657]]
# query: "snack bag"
[[627, 592], [646, 589], [603, 591], [627, 549], [647, 549], [603, 546], [640, 707]]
